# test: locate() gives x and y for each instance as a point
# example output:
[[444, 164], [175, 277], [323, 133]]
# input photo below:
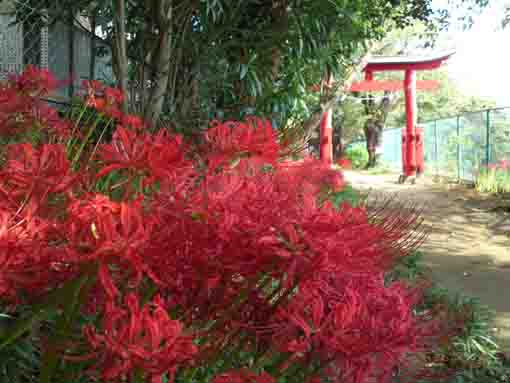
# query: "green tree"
[[192, 60]]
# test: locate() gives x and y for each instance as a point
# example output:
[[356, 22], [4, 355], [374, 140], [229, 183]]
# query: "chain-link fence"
[[68, 49], [457, 147]]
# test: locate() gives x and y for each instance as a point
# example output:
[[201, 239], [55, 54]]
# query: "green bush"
[[358, 156], [347, 194], [494, 179]]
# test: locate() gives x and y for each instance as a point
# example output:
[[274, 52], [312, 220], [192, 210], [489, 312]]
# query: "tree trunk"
[[160, 62], [120, 46], [280, 26], [371, 132], [313, 122], [338, 144], [374, 126], [157, 93]]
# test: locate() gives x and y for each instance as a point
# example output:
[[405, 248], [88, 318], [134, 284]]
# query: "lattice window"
[[23, 36], [11, 45]]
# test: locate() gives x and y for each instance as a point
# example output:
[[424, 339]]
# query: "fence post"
[[488, 138], [436, 148], [459, 159]]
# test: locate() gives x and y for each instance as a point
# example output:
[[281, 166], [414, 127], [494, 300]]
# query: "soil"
[[468, 248]]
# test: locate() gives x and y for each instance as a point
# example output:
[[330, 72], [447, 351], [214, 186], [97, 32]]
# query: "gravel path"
[[468, 249]]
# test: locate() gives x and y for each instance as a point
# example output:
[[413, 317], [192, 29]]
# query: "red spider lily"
[[22, 110], [503, 164], [159, 157], [249, 255], [34, 82], [132, 121], [113, 96], [128, 150], [104, 99], [143, 339], [96, 103], [15, 112], [308, 176], [28, 266], [364, 327], [22, 115], [345, 163], [93, 87], [114, 236], [47, 119], [167, 159], [244, 376], [30, 174], [255, 139]]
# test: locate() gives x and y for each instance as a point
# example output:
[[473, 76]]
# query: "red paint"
[[391, 85], [425, 63], [412, 142], [420, 156], [326, 130], [412, 137], [403, 66], [326, 138], [410, 99]]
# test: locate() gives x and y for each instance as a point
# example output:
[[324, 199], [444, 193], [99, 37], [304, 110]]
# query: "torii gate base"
[[413, 145]]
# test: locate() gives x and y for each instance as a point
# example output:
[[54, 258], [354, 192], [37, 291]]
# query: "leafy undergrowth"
[[474, 352]]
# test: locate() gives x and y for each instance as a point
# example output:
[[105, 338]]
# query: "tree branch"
[[311, 124]]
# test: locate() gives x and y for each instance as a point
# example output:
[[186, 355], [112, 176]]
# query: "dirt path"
[[468, 249]]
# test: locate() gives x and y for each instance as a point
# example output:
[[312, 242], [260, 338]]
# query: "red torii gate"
[[412, 137]]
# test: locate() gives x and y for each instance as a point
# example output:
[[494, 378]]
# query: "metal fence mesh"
[[457, 147], [27, 36]]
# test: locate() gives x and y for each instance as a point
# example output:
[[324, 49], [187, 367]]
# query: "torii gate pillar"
[[410, 137], [326, 130]]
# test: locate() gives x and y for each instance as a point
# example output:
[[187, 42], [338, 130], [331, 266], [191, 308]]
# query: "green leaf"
[[73, 297], [244, 71], [23, 327]]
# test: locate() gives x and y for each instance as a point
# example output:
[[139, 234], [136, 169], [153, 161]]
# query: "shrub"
[[147, 259], [358, 156], [494, 179]]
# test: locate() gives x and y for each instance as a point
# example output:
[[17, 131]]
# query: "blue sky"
[[481, 66]]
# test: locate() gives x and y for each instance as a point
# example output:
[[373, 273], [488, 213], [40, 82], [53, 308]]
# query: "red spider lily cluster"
[[22, 107], [345, 163], [501, 164], [182, 256], [107, 100]]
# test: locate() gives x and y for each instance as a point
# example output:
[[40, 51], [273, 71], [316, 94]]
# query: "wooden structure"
[[412, 141]]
